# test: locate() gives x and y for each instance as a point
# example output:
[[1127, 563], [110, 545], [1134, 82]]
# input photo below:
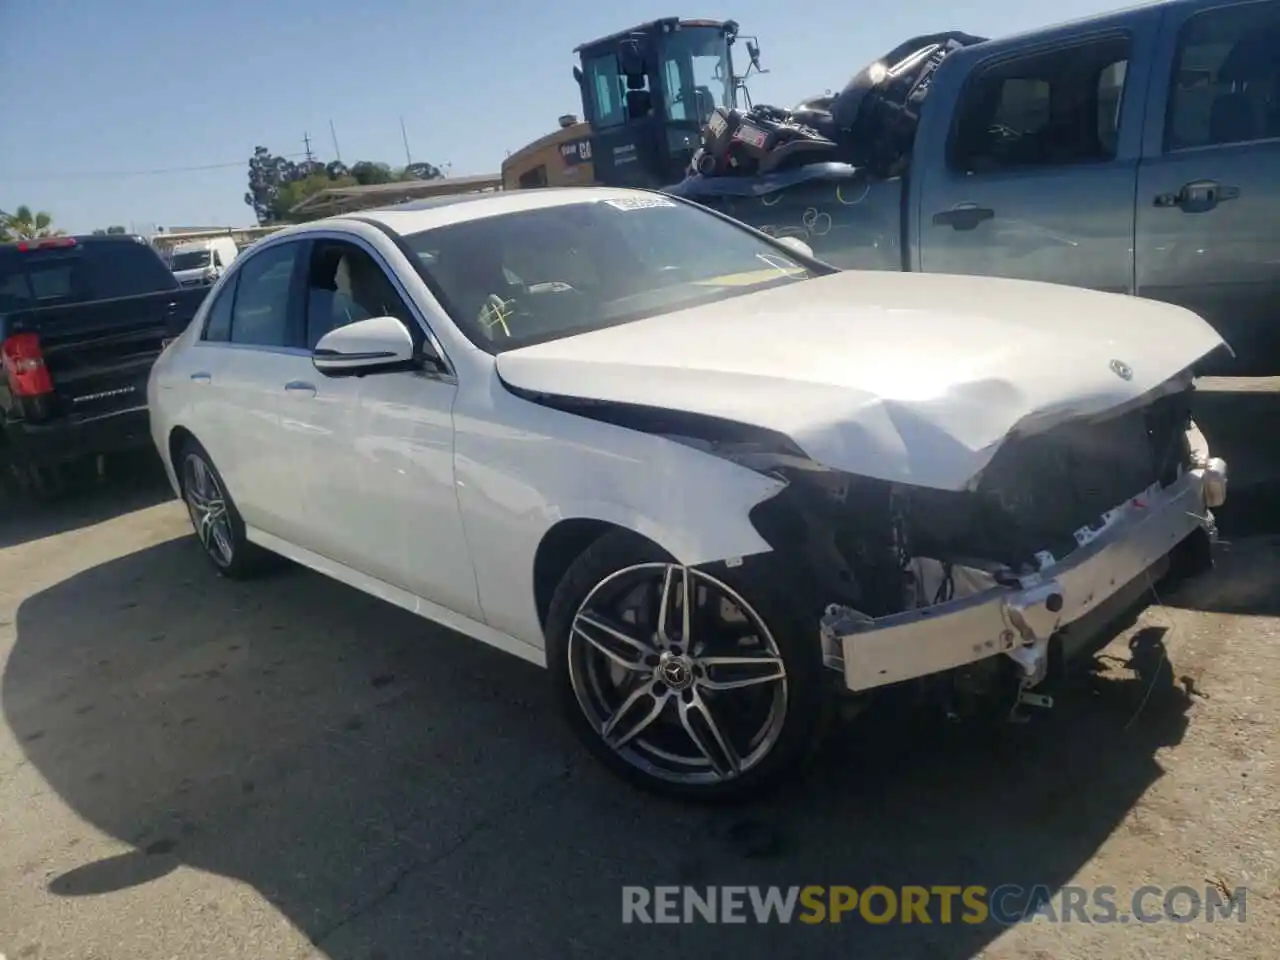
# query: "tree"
[[267, 174], [277, 184], [295, 191], [421, 171], [115, 228], [368, 173], [22, 224]]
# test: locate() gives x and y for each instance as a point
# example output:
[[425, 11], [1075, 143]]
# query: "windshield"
[[696, 75], [190, 260], [538, 275]]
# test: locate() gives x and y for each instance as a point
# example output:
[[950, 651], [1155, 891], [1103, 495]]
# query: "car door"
[[1209, 183], [206, 408], [264, 351], [379, 448], [1035, 179]]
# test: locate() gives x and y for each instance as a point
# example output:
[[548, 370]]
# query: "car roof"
[[418, 215]]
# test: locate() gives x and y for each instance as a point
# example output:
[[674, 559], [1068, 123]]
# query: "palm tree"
[[25, 225]]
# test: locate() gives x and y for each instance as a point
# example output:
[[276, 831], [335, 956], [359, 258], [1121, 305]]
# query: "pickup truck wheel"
[[717, 699], [214, 516]]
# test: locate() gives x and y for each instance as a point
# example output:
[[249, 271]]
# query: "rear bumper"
[[1019, 619], [70, 438]]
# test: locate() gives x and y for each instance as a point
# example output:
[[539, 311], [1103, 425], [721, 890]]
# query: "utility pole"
[[334, 134], [405, 137], [306, 139]]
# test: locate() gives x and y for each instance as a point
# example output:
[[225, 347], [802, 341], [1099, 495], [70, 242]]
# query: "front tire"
[[717, 700], [214, 517]]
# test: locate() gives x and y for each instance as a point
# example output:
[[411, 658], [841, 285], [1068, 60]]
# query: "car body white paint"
[[907, 378], [434, 490]]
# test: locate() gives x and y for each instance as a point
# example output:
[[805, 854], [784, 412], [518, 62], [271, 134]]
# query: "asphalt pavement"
[[289, 768]]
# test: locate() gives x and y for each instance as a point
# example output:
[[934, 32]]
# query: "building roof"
[[346, 199]]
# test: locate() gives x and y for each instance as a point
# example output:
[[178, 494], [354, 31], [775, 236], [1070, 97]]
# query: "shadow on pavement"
[[397, 791], [131, 482], [1246, 580], [1242, 425]]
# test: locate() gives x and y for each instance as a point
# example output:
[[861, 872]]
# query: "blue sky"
[[95, 87]]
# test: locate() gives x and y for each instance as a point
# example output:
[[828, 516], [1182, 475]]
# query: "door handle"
[[963, 216], [1198, 196], [201, 378], [300, 388]]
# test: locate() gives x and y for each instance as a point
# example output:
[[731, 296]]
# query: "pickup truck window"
[[90, 270], [1226, 81], [1054, 108]]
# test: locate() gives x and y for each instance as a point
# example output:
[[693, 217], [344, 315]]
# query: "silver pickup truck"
[[1134, 152]]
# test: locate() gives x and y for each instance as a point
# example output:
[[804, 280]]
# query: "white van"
[[201, 262]]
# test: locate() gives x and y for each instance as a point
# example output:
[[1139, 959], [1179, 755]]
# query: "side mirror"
[[376, 345], [631, 59], [799, 246]]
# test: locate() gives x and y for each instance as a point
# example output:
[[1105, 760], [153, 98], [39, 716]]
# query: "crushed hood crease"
[[911, 378]]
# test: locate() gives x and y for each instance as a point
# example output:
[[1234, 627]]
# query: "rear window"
[[90, 271]]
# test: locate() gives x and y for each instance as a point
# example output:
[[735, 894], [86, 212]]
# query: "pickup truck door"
[[1026, 162], [1208, 216], [376, 452]]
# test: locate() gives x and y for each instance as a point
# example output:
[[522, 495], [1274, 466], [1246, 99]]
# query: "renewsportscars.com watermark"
[[1007, 904]]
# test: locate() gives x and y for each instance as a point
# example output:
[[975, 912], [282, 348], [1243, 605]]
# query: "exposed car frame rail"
[[1018, 619]]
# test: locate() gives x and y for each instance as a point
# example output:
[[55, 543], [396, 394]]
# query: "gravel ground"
[[287, 768]]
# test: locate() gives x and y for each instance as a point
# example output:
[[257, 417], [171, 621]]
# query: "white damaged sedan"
[[709, 482]]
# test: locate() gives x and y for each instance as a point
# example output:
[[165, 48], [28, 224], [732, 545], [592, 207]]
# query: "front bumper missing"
[[1018, 619]]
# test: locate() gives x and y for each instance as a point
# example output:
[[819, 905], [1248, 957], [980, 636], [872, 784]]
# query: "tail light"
[[46, 243], [24, 366]]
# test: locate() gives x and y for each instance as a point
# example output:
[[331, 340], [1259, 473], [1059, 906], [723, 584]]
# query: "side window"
[[124, 268], [260, 316], [605, 83], [345, 284], [1055, 108], [1226, 78], [217, 325]]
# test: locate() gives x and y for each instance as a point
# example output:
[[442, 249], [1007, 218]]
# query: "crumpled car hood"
[[911, 378]]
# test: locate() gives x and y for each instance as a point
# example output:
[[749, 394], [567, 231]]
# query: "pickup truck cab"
[[1134, 152], [82, 319]]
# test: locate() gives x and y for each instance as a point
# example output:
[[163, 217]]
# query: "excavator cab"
[[648, 92]]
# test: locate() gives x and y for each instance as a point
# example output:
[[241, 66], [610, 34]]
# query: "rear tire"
[[217, 523], [706, 729]]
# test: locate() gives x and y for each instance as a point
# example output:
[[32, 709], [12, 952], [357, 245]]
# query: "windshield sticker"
[[639, 203]]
